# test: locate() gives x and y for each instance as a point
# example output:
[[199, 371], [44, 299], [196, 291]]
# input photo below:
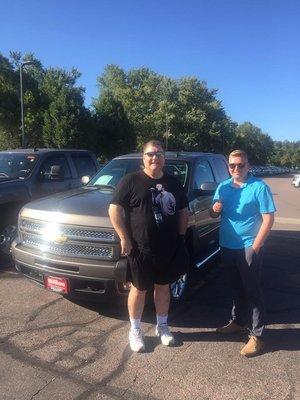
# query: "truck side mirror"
[[208, 187], [85, 179]]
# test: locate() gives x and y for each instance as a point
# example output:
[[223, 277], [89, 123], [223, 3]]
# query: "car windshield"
[[114, 171], [16, 165]]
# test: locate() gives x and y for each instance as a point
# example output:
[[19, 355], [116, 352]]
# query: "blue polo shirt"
[[241, 213]]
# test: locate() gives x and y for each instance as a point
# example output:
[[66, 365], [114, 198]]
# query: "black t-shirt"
[[152, 211]]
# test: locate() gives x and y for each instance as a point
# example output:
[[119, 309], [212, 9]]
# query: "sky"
[[247, 49]]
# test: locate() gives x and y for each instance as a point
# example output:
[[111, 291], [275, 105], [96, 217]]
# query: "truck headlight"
[[51, 232]]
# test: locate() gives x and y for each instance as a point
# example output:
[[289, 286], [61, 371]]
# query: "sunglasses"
[[158, 154], [238, 166]]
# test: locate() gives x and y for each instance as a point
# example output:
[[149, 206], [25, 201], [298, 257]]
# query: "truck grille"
[[72, 232], [71, 241]]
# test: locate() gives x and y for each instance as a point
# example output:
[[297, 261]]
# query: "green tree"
[[286, 153], [9, 105], [258, 145], [64, 108], [34, 102], [54, 112], [114, 132], [184, 113]]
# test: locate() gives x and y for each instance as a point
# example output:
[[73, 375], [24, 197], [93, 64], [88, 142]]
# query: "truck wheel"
[[179, 288], [7, 236]]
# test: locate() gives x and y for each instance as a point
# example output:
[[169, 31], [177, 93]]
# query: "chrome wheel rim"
[[178, 287], [6, 238]]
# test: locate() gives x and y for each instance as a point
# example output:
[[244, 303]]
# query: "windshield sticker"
[[103, 180]]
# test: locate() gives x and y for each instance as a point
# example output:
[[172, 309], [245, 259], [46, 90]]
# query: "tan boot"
[[253, 347], [231, 327]]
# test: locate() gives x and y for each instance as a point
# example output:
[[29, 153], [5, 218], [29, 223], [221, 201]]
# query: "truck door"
[[84, 165], [205, 235]]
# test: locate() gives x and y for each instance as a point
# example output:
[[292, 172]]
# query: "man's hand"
[[117, 217], [264, 230], [217, 207], [256, 249], [126, 247]]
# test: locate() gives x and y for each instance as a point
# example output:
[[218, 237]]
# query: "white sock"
[[162, 319], [135, 323]]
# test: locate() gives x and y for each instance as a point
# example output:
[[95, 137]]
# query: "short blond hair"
[[156, 143], [238, 153]]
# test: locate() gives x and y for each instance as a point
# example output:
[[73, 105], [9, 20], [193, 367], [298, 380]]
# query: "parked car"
[[28, 174], [66, 242], [296, 180]]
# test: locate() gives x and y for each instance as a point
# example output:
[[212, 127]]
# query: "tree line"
[[131, 107]]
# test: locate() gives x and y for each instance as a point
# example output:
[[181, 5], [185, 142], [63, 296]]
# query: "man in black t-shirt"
[[149, 213]]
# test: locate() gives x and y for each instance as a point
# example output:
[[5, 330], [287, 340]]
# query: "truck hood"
[[13, 191], [87, 206]]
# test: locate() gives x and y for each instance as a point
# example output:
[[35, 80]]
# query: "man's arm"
[[183, 221], [268, 221], [117, 217]]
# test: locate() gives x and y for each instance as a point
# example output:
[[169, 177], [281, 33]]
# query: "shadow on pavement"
[[210, 305], [6, 263], [275, 339], [287, 339]]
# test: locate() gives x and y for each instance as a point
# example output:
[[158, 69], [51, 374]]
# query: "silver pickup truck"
[[67, 244]]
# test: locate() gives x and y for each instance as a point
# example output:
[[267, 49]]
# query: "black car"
[[28, 174]]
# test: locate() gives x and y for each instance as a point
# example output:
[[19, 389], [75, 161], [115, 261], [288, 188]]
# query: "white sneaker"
[[166, 336], [136, 340]]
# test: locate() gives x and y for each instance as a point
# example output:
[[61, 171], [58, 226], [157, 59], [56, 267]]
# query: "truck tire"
[[7, 235], [179, 288]]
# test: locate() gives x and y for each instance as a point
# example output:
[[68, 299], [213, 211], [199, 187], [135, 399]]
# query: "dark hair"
[[155, 143]]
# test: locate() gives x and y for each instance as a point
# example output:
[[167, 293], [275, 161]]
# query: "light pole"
[[167, 132], [21, 97]]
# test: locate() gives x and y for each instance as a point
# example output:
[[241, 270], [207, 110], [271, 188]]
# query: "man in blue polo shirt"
[[247, 209]]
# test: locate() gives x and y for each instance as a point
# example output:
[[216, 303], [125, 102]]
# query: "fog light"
[[51, 232], [123, 287], [126, 285]]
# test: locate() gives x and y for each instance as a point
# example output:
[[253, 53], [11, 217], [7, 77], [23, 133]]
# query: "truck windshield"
[[16, 165], [114, 171]]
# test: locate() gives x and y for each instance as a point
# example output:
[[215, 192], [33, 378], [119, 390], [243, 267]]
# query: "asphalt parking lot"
[[52, 348]]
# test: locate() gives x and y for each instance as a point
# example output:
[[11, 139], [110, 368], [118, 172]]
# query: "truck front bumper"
[[85, 275]]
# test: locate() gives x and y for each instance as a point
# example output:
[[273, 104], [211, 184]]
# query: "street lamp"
[[167, 133], [21, 96]]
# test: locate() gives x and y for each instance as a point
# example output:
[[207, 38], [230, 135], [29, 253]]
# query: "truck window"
[[84, 165], [55, 160], [16, 165], [202, 173], [221, 169], [179, 169], [114, 171]]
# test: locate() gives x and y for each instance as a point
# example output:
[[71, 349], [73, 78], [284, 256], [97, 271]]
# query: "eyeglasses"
[[238, 166], [158, 154]]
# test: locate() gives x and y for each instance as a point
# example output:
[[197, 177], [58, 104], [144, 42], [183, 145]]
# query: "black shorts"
[[144, 270]]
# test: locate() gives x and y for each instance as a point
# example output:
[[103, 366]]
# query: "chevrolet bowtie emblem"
[[60, 239]]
